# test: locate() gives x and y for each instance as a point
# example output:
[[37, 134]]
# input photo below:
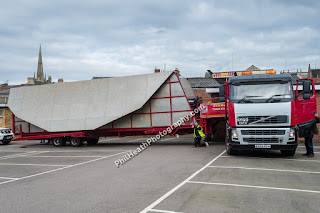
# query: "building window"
[[3, 100], [1, 113]]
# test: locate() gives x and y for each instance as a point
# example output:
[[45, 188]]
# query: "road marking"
[[305, 152], [166, 139], [181, 184], [264, 169], [163, 211], [6, 178], [276, 158], [139, 139], [110, 139], [257, 187], [86, 150], [66, 167], [28, 164], [53, 156], [23, 154]]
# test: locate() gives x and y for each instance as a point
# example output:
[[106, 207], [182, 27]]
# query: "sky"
[[84, 39]]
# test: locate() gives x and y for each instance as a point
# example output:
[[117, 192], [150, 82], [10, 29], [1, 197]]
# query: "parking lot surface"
[[169, 176]]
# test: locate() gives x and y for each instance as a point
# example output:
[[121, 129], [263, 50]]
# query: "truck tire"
[[288, 152], [58, 142], [6, 142], [92, 141], [229, 150], [76, 141]]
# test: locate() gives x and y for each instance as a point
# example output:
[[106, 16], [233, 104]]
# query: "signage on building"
[[241, 73]]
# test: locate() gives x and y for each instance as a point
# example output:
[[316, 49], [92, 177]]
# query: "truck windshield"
[[262, 92]]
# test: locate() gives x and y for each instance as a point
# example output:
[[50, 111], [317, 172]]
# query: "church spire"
[[40, 76]]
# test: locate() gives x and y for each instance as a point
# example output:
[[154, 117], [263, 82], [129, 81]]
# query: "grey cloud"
[[82, 39]]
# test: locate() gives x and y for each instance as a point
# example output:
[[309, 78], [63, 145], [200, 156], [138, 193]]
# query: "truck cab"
[[261, 112]]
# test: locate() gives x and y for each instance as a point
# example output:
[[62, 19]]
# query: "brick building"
[[5, 112]]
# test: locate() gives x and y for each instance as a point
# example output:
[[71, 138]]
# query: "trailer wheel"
[[92, 141], [288, 152], [57, 141], [76, 142]]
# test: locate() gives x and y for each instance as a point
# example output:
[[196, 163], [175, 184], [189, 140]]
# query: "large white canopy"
[[83, 105]]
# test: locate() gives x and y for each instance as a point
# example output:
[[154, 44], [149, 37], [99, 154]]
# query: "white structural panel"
[[88, 105]]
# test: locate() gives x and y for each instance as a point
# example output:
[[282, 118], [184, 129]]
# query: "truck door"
[[305, 104]]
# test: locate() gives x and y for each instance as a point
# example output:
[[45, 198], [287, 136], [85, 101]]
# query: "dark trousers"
[[308, 143], [197, 141]]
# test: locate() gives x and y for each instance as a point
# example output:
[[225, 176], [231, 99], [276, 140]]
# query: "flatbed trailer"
[[162, 108]]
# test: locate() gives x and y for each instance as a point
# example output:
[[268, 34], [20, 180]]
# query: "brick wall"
[[6, 120]]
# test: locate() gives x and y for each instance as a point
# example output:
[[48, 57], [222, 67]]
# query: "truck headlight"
[[292, 134], [234, 134]]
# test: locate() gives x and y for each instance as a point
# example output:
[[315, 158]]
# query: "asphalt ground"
[[169, 176]]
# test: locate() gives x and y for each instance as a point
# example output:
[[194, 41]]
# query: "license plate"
[[8, 137], [263, 146]]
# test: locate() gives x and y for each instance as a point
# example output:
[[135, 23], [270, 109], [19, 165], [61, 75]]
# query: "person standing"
[[198, 134], [308, 139]]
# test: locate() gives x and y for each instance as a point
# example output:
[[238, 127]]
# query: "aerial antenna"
[[232, 62]]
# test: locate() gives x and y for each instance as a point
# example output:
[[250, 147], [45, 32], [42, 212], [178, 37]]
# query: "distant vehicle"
[[6, 135]]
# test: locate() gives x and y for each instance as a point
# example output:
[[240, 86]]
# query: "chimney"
[[156, 70], [177, 71]]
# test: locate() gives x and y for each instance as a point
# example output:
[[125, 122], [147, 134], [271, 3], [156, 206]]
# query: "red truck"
[[263, 112]]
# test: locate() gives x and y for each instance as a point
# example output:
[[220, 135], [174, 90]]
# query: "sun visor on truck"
[[260, 78]]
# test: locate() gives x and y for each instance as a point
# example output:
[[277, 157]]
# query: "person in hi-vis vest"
[[198, 134]]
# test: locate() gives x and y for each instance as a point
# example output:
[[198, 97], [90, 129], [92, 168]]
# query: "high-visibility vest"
[[199, 131]]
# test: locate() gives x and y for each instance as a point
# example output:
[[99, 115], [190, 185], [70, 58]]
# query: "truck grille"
[[264, 119], [263, 132], [261, 140]]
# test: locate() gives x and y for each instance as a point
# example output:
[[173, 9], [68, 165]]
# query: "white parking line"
[[167, 139], [139, 139], [163, 211], [276, 158], [264, 169], [86, 150], [257, 187], [66, 167], [6, 178], [28, 164], [181, 184], [23, 154], [53, 156]]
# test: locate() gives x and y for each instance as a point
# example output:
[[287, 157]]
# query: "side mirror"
[[306, 95], [306, 87], [222, 93], [222, 99]]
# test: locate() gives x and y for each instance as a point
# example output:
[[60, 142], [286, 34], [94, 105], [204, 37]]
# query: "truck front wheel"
[[229, 150], [288, 152]]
